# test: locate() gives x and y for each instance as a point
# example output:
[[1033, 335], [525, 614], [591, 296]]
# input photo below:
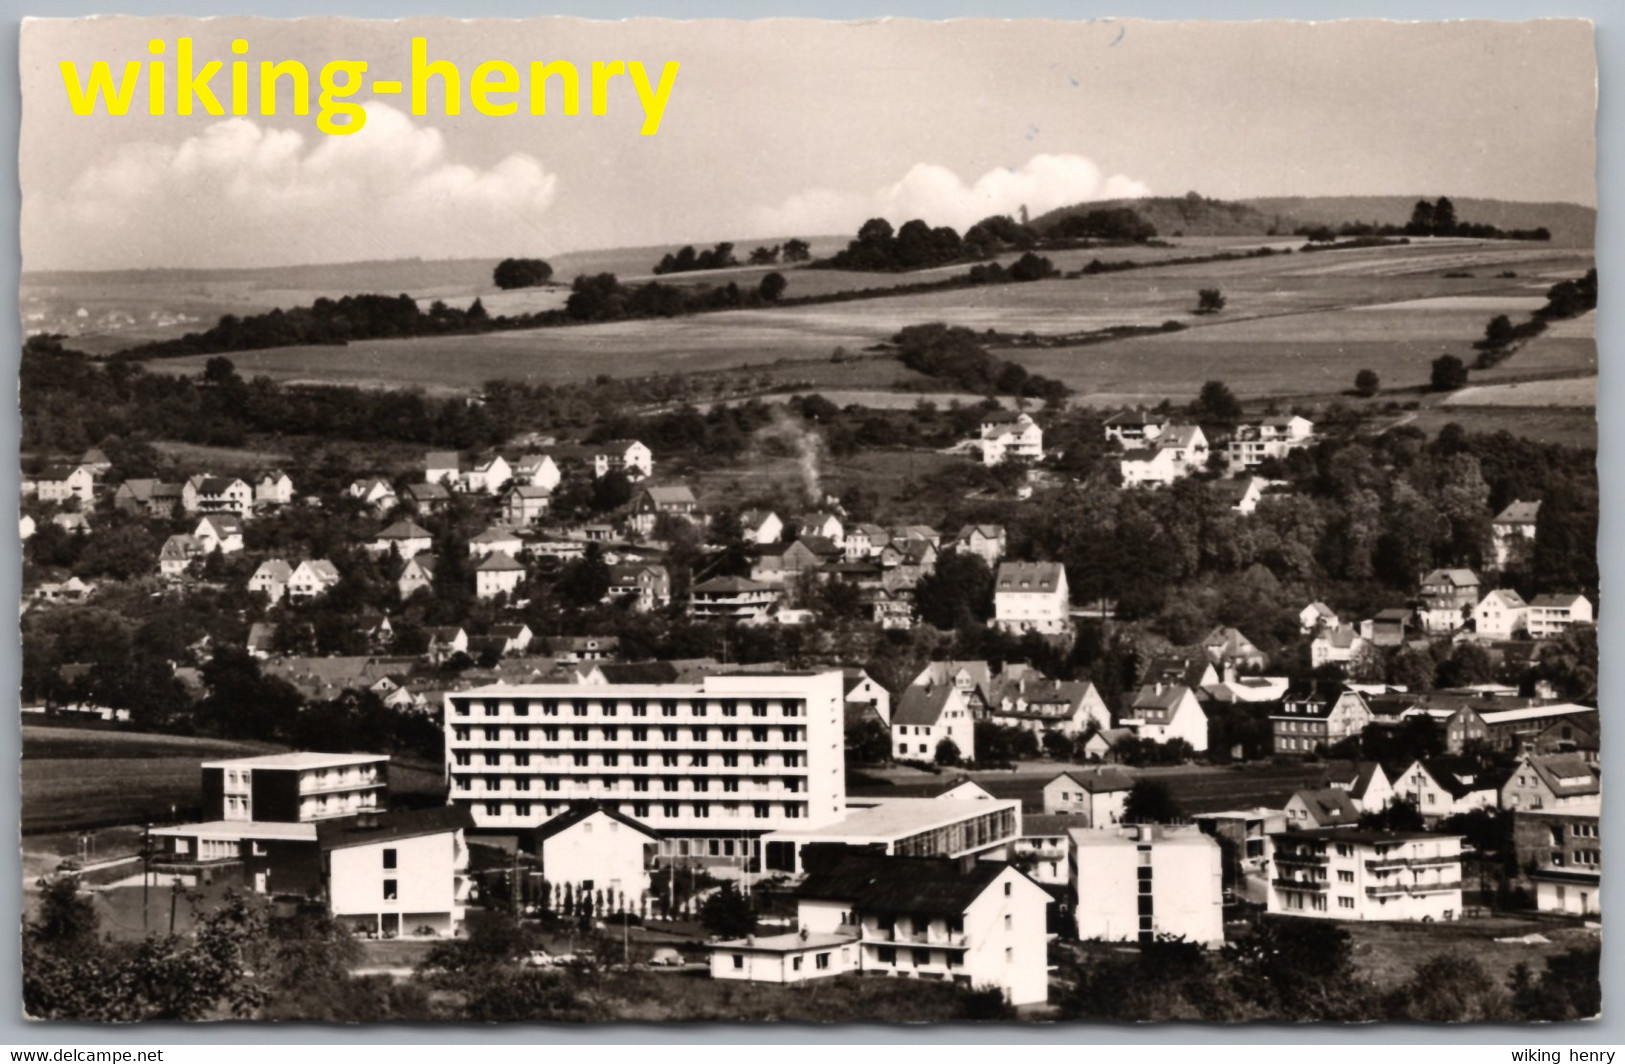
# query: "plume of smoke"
[[787, 436]]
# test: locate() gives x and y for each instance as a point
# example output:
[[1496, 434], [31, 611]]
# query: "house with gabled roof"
[[1500, 614], [271, 579], [65, 484], [442, 467], [96, 460], [973, 679], [1039, 704], [1366, 782], [822, 524], [731, 598], [1441, 787], [987, 542], [1005, 435], [261, 641], [516, 638], [375, 492], [1389, 628], [1031, 597], [147, 498], [498, 574], [1512, 533], [1134, 428], [652, 501], [1551, 615], [536, 471], [1229, 647], [645, 586], [494, 539], [629, 457], [416, 575], [1448, 597], [429, 498], [487, 476], [1317, 714], [220, 532], [311, 578], [1107, 745], [206, 494], [402, 539], [177, 555], [1551, 781], [1315, 616], [1162, 713], [761, 527], [1179, 451], [525, 504], [593, 847], [1273, 437], [924, 716], [1097, 794], [446, 641], [1329, 807], [1338, 644], [1195, 671], [273, 488]]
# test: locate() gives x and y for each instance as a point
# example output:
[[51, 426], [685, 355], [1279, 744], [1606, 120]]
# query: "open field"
[[1390, 953], [1568, 391], [1294, 325], [1570, 426], [41, 741]]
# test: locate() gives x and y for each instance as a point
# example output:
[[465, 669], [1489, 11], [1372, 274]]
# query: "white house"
[[1005, 435], [925, 716], [1134, 428], [177, 553], [271, 579], [1337, 644], [219, 532], [61, 485], [592, 847], [980, 923], [1315, 616], [375, 492], [1555, 614], [1273, 437], [486, 478], [536, 471], [1038, 704], [1097, 793], [497, 575], [417, 575], [525, 504], [1354, 874], [1179, 451], [442, 467], [1164, 712], [1512, 533], [762, 528], [216, 495], [1031, 597], [493, 540], [403, 539], [273, 488], [1137, 882], [624, 456], [395, 873], [987, 542], [311, 578], [1499, 614], [1440, 787]]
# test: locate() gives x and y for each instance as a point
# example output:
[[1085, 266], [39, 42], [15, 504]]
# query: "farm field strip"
[[1571, 391]]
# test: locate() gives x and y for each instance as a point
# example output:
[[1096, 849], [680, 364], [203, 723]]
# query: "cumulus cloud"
[[940, 197], [241, 194]]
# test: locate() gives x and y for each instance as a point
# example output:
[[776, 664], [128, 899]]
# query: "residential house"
[[892, 610], [1500, 614], [1162, 713], [591, 847], [497, 575], [1228, 647], [495, 540], [445, 642], [207, 494], [72, 521], [1448, 598], [403, 539], [1551, 615], [61, 484], [1389, 628], [516, 638], [629, 457], [1007, 435], [1141, 882], [1338, 644], [399, 873], [1273, 437], [1248, 831], [825, 525], [972, 679], [1512, 534], [925, 717], [907, 561], [297, 787], [1366, 782], [865, 541], [979, 923], [375, 492], [1551, 781], [1134, 428], [177, 555], [761, 528], [645, 585], [863, 689], [311, 578], [273, 488], [525, 504], [219, 532], [1243, 494], [271, 579], [96, 461], [656, 500], [1031, 597], [261, 642], [1568, 737], [1179, 451], [428, 498], [1329, 807], [1315, 616], [1511, 728], [536, 471], [1355, 874], [417, 575], [1195, 671], [1098, 795], [731, 598], [1044, 852], [1564, 847], [1315, 715], [442, 467], [147, 498], [1444, 786], [1038, 704], [987, 542], [486, 477]]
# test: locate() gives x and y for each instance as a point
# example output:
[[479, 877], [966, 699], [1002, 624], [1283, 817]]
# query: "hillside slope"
[[1571, 224]]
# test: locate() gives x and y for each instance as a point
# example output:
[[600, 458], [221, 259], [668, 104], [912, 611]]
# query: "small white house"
[[925, 716], [1006, 435], [396, 874], [1555, 614], [537, 471], [497, 575], [271, 579], [220, 532], [761, 528], [1031, 597], [592, 847], [487, 477], [1499, 614], [273, 488], [403, 539], [312, 578], [1138, 882], [1164, 712]]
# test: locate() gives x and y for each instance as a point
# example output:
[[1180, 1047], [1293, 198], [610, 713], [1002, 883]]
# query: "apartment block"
[[294, 787], [1139, 881], [1353, 874], [727, 759]]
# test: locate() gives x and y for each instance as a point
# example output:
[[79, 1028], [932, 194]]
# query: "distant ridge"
[[1570, 224]]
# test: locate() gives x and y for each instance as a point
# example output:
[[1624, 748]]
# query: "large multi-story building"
[[1564, 849], [1352, 874], [1273, 437], [295, 787], [1031, 597], [1138, 881], [729, 758]]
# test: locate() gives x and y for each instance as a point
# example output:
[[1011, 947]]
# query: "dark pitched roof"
[[386, 827], [580, 811], [1462, 776], [1051, 824], [921, 705], [877, 883], [1100, 780], [1330, 806]]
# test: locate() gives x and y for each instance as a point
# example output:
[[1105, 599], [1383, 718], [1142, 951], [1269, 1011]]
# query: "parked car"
[[666, 957]]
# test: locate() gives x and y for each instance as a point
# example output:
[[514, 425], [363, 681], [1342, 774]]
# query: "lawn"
[[1390, 953]]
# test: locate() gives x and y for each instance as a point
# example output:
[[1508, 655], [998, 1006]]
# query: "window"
[[1009, 955], [611, 760], [550, 734], [761, 810], [758, 735], [668, 784], [461, 757], [699, 734], [493, 759], [521, 783], [790, 709], [579, 708], [758, 709], [730, 709], [698, 760], [795, 964], [460, 733], [389, 890], [490, 709], [493, 783], [640, 735], [521, 709], [640, 809], [702, 785], [669, 760], [550, 783], [640, 785], [731, 786], [578, 734], [550, 709], [611, 734], [1345, 903], [730, 760], [1007, 890], [580, 760], [886, 955], [668, 734], [739, 960], [493, 735], [522, 760], [922, 957], [702, 809], [389, 858], [461, 709], [260, 851], [669, 809], [493, 808], [792, 760], [730, 735], [668, 709], [640, 760], [462, 783], [1009, 922], [1345, 876], [522, 808], [1344, 849]]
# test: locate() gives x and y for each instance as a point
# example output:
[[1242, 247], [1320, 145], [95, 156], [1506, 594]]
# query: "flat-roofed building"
[[1137, 882], [907, 827], [1354, 874], [295, 787], [724, 760]]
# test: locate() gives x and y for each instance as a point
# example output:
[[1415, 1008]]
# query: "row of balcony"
[[478, 741], [1392, 889], [882, 936], [1302, 884], [648, 796], [624, 766], [1384, 864]]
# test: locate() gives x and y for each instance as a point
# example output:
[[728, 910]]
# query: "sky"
[[778, 128]]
